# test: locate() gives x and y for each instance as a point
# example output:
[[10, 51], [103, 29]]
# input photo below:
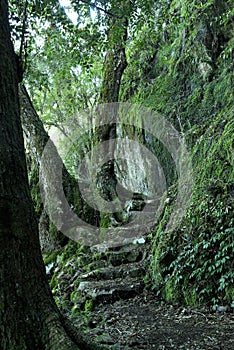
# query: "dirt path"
[[144, 323]]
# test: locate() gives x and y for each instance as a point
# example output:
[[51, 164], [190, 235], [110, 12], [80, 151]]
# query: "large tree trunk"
[[29, 318], [36, 139], [113, 69]]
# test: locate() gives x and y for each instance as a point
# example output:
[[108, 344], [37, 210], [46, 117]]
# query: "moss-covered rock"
[[193, 88]]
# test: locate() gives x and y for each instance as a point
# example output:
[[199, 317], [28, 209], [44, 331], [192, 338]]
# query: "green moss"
[[230, 294], [200, 252], [48, 258], [70, 250], [170, 292], [190, 296], [195, 262], [89, 303], [35, 188], [105, 220]]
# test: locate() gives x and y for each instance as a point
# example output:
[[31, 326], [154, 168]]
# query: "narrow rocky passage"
[[120, 313]]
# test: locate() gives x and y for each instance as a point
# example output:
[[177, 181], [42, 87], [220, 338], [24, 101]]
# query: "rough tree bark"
[[113, 69], [36, 138], [29, 318]]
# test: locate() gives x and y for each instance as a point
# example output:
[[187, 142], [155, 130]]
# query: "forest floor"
[[145, 323]]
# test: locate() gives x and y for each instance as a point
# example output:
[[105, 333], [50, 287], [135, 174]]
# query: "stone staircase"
[[121, 277], [82, 278]]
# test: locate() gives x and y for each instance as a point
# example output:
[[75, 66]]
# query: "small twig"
[[199, 313], [91, 4]]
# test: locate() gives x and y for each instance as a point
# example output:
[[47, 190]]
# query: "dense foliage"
[[195, 89], [180, 63]]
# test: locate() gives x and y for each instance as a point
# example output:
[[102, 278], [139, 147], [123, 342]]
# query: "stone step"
[[111, 290], [125, 256], [128, 243], [136, 269]]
